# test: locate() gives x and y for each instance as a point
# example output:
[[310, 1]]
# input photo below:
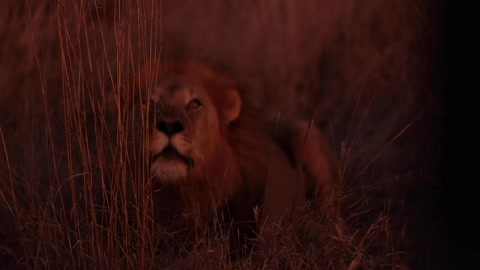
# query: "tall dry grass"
[[72, 171]]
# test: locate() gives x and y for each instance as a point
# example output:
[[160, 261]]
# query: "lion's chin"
[[169, 170]]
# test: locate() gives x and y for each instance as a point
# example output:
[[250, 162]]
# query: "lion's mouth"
[[171, 153]]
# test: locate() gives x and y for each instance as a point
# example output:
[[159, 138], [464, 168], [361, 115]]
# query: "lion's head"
[[189, 109]]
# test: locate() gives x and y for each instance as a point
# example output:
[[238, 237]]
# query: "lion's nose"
[[170, 128]]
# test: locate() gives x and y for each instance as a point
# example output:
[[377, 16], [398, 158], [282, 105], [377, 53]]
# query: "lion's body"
[[228, 158]]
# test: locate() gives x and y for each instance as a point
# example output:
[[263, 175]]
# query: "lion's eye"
[[194, 104]]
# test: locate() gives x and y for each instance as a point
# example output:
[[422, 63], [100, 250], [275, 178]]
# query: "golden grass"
[[71, 177]]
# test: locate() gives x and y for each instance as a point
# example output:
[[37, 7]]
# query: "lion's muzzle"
[[171, 153], [169, 150]]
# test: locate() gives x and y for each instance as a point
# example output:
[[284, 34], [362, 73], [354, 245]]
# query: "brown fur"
[[273, 168]]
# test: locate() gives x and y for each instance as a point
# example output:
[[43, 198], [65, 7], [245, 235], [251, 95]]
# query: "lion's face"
[[182, 120], [185, 129]]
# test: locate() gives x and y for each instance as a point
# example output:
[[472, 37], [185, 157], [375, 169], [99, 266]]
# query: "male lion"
[[214, 156]]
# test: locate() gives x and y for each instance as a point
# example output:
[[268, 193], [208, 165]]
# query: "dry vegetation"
[[367, 72]]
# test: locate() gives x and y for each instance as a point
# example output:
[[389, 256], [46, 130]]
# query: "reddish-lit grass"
[[71, 181]]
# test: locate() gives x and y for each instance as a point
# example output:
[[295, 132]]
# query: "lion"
[[213, 155]]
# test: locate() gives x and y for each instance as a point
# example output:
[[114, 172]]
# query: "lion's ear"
[[232, 105]]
